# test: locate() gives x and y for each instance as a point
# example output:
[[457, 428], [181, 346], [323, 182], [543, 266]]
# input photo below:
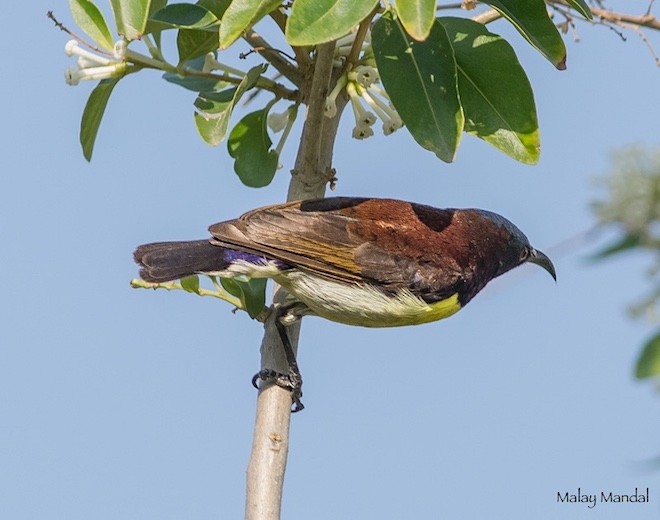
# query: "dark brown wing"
[[318, 241], [385, 241]]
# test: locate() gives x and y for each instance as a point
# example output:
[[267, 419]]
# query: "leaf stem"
[[220, 293]]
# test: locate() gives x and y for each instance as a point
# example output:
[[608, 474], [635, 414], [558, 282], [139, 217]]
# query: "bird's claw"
[[290, 381]]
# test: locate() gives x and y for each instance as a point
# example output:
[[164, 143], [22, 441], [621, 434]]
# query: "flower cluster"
[[93, 66], [368, 100], [361, 87]]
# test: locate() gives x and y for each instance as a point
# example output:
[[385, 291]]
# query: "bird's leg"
[[295, 378], [292, 380]]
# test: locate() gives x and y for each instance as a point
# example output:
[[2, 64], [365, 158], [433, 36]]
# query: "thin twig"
[[219, 293], [260, 50], [642, 20], [265, 83], [616, 22], [274, 57], [457, 5], [643, 37], [79, 39], [487, 16]]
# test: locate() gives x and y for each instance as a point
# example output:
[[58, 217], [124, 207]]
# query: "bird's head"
[[539, 258], [518, 249]]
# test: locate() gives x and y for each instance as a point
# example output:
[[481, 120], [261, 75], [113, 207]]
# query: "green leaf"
[[131, 17], [214, 108], [417, 16], [93, 114], [155, 28], [252, 293], [217, 7], [530, 18], [212, 116], [187, 16], [190, 283], [195, 84], [495, 93], [581, 7], [254, 162], [255, 295], [240, 16], [193, 43], [648, 363], [231, 286], [628, 241], [90, 19], [319, 21], [421, 80]]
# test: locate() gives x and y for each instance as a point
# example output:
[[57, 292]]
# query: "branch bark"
[[270, 445], [642, 20], [282, 65]]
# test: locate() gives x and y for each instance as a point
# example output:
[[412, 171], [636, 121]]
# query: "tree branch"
[[309, 175], [265, 474], [285, 67], [642, 20], [264, 83], [487, 16]]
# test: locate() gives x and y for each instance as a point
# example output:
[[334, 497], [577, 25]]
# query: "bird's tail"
[[165, 261]]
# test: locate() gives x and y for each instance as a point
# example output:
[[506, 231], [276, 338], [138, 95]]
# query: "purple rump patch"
[[232, 255]]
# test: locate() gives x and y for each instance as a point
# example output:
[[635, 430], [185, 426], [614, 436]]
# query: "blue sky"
[[119, 403]]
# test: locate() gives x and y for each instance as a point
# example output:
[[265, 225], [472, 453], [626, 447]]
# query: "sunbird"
[[358, 261]]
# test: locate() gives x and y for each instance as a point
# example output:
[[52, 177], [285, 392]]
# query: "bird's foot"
[[291, 381]]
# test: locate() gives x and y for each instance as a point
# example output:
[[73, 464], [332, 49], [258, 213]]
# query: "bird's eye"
[[524, 254]]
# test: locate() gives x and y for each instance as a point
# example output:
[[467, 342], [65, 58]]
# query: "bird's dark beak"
[[539, 258]]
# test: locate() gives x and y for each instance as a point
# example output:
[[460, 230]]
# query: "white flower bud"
[[277, 122]]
